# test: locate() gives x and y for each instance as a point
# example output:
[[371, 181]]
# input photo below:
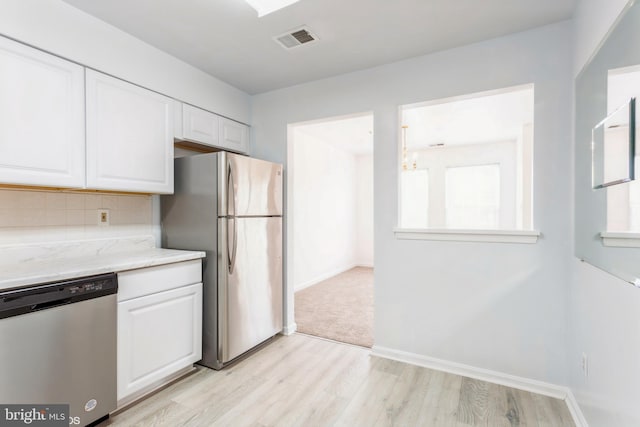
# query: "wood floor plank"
[[473, 404], [430, 401], [351, 377], [528, 415], [548, 414], [157, 402], [513, 413], [368, 402], [166, 413], [303, 387], [324, 411], [402, 408], [276, 355], [499, 412], [334, 392], [441, 401], [561, 411], [247, 410], [448, 402], [389, 366], [300, 381], [211, 403]]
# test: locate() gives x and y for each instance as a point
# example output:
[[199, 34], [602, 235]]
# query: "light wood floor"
[[306, 381]]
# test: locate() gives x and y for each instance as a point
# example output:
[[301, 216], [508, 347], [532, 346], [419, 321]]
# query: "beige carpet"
[[339, 308]]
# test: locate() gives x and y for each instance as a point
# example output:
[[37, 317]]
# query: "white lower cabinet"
[[159, 333]]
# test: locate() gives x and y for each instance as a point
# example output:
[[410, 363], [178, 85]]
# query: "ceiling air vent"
[[296, 38]]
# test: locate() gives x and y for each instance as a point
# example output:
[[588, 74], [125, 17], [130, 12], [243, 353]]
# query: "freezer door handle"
[[231, 191]]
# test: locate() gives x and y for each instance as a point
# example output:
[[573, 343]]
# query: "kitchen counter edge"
[[36, 272]]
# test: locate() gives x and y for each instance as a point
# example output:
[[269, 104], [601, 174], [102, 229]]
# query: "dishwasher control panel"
[[93, 286], [19, 301]]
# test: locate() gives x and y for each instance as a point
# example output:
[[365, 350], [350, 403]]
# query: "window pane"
[[473, 197], [414, 199]]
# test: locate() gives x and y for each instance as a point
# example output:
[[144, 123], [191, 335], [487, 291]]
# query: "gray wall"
[[59, 28], [602, 309], [495, 306]]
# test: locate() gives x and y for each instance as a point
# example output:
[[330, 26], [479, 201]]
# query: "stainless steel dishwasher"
[[58, 346]]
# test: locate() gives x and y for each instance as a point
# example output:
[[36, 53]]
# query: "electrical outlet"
[[585, 365], [103, 217]]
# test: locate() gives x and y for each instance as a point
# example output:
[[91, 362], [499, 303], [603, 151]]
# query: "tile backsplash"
[[38, 216]]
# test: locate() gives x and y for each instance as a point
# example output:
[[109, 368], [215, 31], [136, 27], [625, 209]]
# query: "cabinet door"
[[200, 126], [42, 110], [234, 136], [158, 335], [129, 137]]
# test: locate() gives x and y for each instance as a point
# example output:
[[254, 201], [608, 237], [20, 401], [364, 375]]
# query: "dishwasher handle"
[[50, 304]]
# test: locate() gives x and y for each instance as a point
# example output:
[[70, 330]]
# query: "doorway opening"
[[330, 227]]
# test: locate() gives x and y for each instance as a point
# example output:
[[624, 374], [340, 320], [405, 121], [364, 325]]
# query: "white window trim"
[[620, 239], [520, 233], [487, 236]]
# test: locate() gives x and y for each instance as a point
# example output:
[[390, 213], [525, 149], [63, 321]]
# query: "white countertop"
[[25, 265]]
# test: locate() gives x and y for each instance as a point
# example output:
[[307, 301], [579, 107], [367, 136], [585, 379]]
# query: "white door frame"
[[289, 321]]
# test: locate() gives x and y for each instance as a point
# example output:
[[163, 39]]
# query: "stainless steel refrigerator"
[[230, 206]]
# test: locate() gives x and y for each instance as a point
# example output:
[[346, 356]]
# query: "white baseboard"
[[574, 409], [521, 383], [322, 277], [289, 329], [364, 264]]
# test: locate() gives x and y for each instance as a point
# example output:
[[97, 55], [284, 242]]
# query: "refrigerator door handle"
[[231, 210], [232, 256]]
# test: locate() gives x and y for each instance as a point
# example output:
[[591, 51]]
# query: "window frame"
[[510, 235], [619, 231]]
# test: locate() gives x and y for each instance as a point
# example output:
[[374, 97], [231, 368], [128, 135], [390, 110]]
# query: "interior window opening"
[[467, 162]]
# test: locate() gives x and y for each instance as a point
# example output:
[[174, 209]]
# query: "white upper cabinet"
[[200, 126], [42, 110], [129, 137], [234, 136], [209, 129]]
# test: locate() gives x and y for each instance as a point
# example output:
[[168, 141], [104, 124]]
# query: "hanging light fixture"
[[405, 153]]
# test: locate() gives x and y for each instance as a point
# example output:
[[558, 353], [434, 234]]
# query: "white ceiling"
[[226, 39], [481, 118], [353, 134], [499, 116]]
